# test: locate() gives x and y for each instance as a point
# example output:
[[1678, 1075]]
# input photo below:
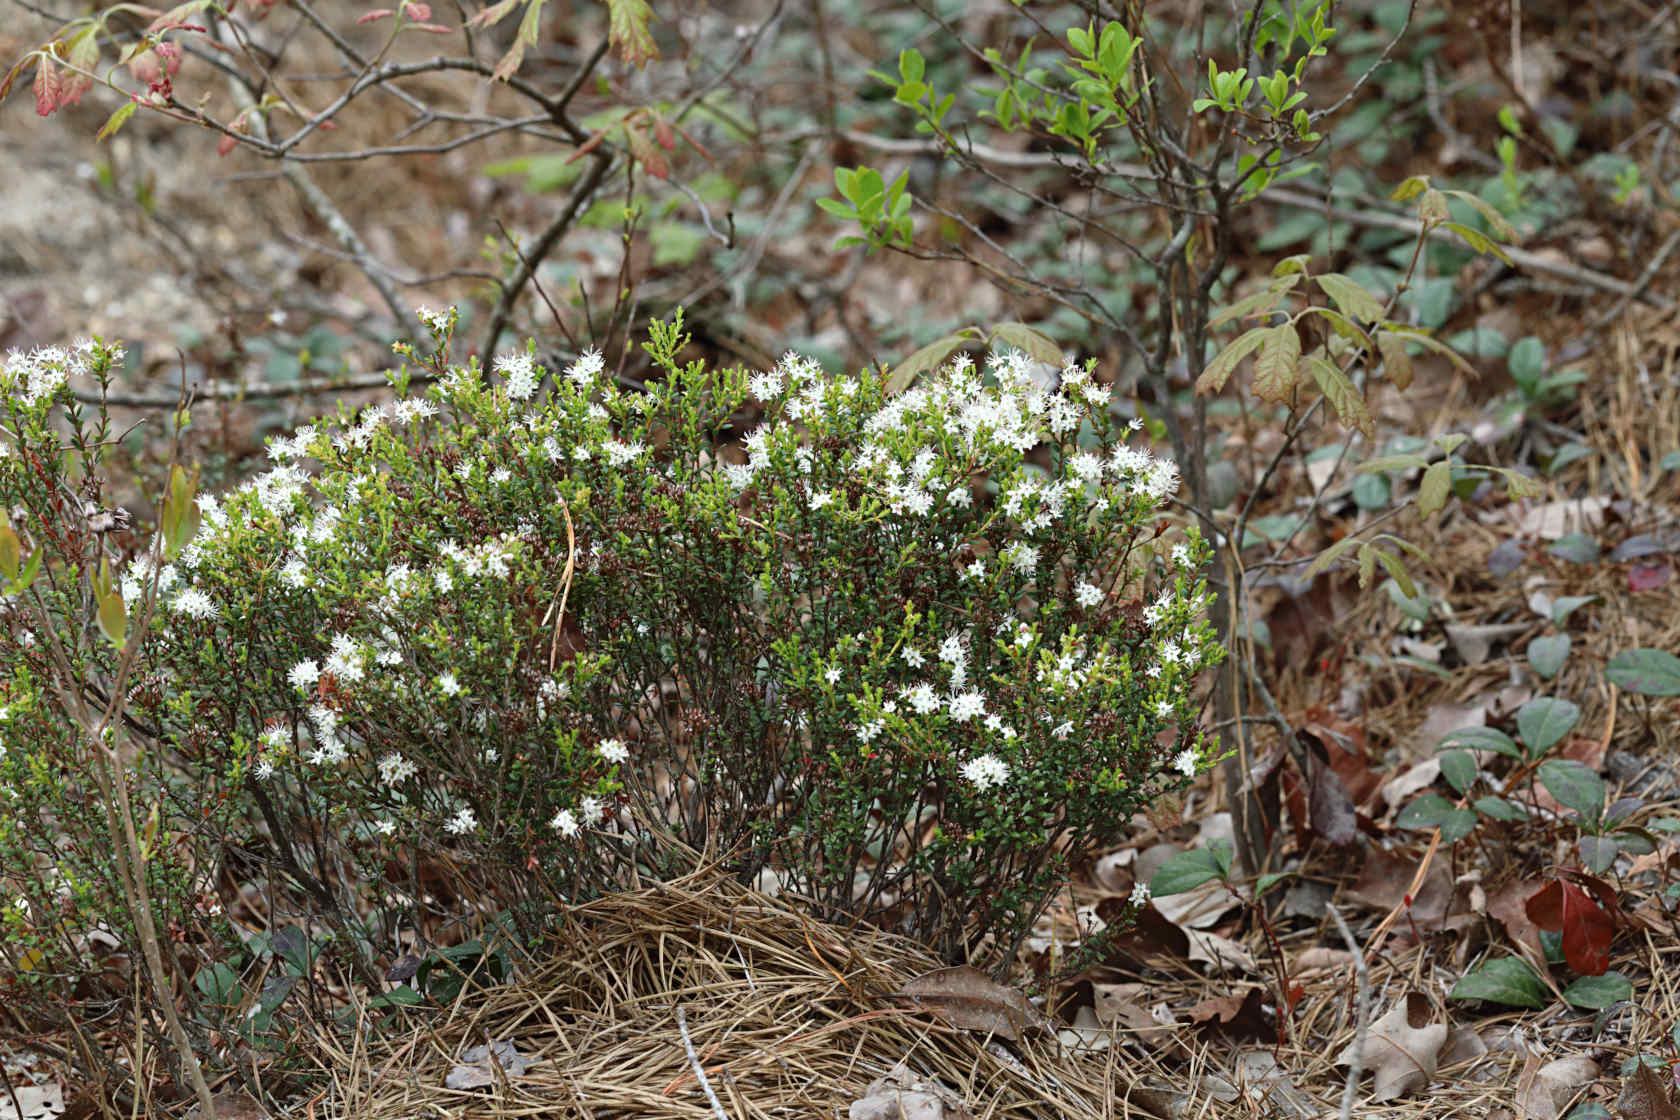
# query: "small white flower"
[[583, 372], [1181, 554], [1140, 893], [913, 658], [1023, 557], [832, 674], [614, 751], [922, 698], [304, 674], [195, 604], [394, 769], [519, 374], [966, 706], [1164, 709], [986, 771], [461, 823], [448, 684], [1185, 763], [1062, 730], [976, 570], [868, 731], [385, 827], [590, 807], [821, 499], [565, 823], [1087, 595]]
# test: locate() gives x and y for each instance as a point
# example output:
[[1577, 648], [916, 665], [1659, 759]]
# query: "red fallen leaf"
[[1587, 930], [1648, 575], [1242, 1014]]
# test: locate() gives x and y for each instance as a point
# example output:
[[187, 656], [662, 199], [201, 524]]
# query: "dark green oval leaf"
[[1649, 672], [1548, 654], [1543, 721], [1508, 981], [1598, 992]]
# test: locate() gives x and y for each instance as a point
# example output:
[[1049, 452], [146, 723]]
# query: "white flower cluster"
[[35, 376]]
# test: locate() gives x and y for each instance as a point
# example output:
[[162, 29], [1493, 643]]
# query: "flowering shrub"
[[483, 649]]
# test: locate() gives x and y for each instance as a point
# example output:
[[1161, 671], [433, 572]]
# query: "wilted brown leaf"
[[970, 1000]]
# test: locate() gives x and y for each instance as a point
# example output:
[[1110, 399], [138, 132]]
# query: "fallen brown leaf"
[[1401, 1049], [970, 1000], [1645, 1097]]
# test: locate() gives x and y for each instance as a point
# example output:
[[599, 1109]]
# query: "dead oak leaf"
[[1401, 1049]]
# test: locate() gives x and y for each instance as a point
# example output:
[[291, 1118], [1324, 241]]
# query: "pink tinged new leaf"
[[529, 26], [419, 12], [376, 14], [494, 14], [83, 58], [46, 85], [647, 153], [628, 29]]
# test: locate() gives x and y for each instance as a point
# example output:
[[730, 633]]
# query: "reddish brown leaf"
[[1242, 1014], [1645, 1097], [1587, 930], [1648, 575]]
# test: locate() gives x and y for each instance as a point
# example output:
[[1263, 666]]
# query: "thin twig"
[[1362, 1014], [699, 1073]]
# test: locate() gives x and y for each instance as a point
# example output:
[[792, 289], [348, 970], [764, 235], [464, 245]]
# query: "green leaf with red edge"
[[1219, 370], [1587, 930], [1276, 368], [628, 28], [1396, 361], [1343, 395], [1351, 296], [494, 14], [83, 56], [1649, 672]]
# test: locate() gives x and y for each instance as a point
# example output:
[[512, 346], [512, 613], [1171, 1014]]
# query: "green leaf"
[[11, 552], [1671, 461], [1577, 548], [1413, 334], [1481, 739], [1548, 654], [1598, 852], [1459, 769], [218, 983], [1500, 809], [1397, 363], [1219, 370], [1567, 605], [1508, 981], [1275, 369], [1477, 240], [1501, 226], [1257, 303], [628, 30], [1458, 824], [1574, 785], [1598, 992], [1351, 296], [1185, 871], [1032, 342], [1543, 721], [117, 119], [1435, 488], [927, 358], [1347, 400], [1649, 672], [113, 619], [1406, 462], [1527, 360], [1428, 811]]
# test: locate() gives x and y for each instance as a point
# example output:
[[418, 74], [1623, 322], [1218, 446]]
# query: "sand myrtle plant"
[[459, 657]]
